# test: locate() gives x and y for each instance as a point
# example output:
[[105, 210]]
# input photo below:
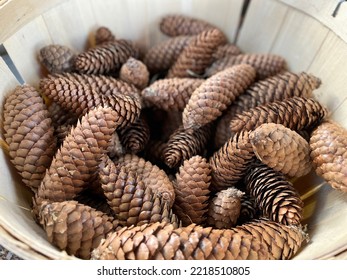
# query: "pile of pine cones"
[[182, 151]]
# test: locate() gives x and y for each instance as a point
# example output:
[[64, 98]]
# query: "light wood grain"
[[23, 47]]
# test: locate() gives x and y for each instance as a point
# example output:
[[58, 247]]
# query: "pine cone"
[[282, 149], [176, 25], [115, 148], [224, 209], [77, 161], [297, 113], [81, 93], [163, 55], [249, 209], [74, 227], [265, 64], [103, 34], [226, 50], [230, 163], [152, 176], [59, 116], [134, 72], [213, 97], [328, 143], [57, 58], [60, 133], [197, 55], [275, 196], [28, 131], [161, 241], [192, 190], [171, 94], [185, 143], [105, 58], [278, 87], [135, 136], [131, 201]]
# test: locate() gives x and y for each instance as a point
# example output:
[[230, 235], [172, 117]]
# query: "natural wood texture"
[[261, 26], [17, 13], [23, 48], [322, 11]]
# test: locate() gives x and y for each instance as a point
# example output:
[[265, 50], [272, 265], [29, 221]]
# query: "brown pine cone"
[[249, 209], [224, 209], [80, 93], [152, 176], [328, 143], [57, 58], [171, 94], [59, 116], [275, 196], [230, 163], [161, 241], [103, 34], [226, 50], [282, 149], [115, 148], [297, 113], [105, 58], [192, 190], [278, 87], [185, 143], [134, 72], [135, 136], [177, 25], [265, 64], [213, 97], [131, 201], [163, 55], [60, 133], [28, 132], [74, 227], [77, 161], [197, 55]]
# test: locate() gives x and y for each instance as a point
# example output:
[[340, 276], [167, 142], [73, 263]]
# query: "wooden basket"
[[304, 32]]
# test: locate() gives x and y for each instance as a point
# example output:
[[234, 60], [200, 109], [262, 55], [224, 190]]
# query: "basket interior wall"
[[305, 35]]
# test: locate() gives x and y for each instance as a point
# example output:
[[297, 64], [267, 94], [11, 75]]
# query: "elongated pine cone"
[[249, 209], [297, 113], [134, 72], [171, 94], [28, 131], [224, 209], [57, 58], [163, 55], [282, 149], [197, 55], [177, 25], [77, 161], [59, 116], [80, 93], [131, 201], [265, 64], [230, 162], [278, 87], [152, 176], [192, 190], [275, 196], [103, 34], [213, 97], [105, 58], [74, 227], [161, 241], [135, 136], [185, 143], [226, 50], [328, 143]]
